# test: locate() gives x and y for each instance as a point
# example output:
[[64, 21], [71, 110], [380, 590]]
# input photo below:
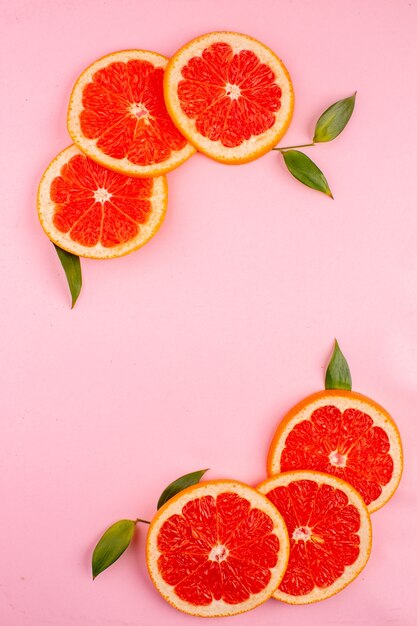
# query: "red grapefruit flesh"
[[217, 548], [94, 212], [117, 115], [345, 434], [330, 533], [230, 95]]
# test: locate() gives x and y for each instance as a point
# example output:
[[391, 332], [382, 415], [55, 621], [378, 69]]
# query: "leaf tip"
[[338, 374]]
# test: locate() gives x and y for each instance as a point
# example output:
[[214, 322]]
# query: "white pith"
[[137, 109], [364, 533], [219, 553], [233, 91], [46, 210], [217, 608], [337, 459], [253, 147], [302, 533], [344, 401], [89, 146], [102, 195]]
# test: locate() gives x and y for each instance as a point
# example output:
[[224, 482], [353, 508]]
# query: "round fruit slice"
[[330, 533], [91, 211], [117, 115], [345, 434], [230, 95], [217, 548]]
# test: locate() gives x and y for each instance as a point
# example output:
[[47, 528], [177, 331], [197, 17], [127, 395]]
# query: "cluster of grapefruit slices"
[[220, 547], [136, 115]]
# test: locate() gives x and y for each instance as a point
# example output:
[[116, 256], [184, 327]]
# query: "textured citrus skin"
[[342, 399], [253, 148], [89, 146], [365, 532], [174, 507], [46, 212]]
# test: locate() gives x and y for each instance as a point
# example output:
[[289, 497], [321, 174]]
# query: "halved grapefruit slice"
[[345, 434], [330, 533], [117, 115], [217, 548], [230, 95], [91, 211]]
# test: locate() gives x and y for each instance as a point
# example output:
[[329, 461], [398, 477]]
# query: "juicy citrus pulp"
[[230, 95], [345, 434], [94, 212], [217, 548], [330, 533], [117, 115]]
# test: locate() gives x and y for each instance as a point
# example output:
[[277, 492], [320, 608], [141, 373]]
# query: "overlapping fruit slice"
[[94, 212], [217, 548], [330, 533], [117, 115], [345, 434], [230, 95]]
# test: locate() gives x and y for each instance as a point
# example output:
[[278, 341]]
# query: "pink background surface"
[[186, 353]]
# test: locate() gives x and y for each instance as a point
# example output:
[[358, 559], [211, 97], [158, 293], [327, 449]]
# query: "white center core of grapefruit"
[[219, 553], [233, 91], [337, 459], [302, 533], [138, 110], [102, 195]]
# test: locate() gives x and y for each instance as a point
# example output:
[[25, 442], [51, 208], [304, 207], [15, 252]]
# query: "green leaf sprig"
[[72, 268], [179, 485], [338, 372], [119, 535], [329, 126], [112, 545]]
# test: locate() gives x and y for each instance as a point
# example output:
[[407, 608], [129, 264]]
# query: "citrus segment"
[[94, 212], [117, 115], [217, 548], [330, 534], [230, 95], [345, 434]]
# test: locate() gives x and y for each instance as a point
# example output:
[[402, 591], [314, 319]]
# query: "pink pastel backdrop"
[[186, 354]]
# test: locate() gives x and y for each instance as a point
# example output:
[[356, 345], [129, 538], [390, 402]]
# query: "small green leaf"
[[307, 172], [72, 267], [178, 485], [112, 545], [331, 123], [338, 372]]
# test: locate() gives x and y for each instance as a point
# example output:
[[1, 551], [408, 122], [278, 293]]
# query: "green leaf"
[[72, 267], [331, 123], [178, 485], [307, 172], [338, 372], [112, 545]]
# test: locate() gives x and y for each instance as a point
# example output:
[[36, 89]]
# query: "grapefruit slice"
[[217, 548], [117, 115], [330, 533], [91, 211], [345, 434], [230, 95]]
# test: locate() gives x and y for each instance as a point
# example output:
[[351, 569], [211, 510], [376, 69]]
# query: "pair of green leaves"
[[329, 125], [118, 537]]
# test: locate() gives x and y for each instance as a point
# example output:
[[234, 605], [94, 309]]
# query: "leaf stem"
[[304, 145], [144, 521]]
